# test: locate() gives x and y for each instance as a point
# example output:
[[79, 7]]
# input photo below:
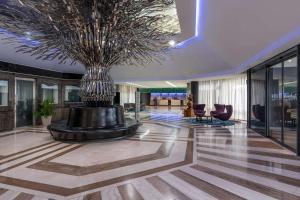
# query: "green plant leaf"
[[45, 109]]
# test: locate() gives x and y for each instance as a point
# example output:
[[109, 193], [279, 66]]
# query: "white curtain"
[[231, 91], [50, 92], [127, 94], [258, 92], [3, 93]]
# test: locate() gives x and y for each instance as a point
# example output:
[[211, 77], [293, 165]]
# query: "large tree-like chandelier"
[[96, 33]]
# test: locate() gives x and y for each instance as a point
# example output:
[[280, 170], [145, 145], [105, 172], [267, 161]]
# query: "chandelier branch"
[[97, 33]]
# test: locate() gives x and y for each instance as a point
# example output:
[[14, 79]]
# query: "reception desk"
[[163, 102], [175, 102], [167, 98], [167, 102]]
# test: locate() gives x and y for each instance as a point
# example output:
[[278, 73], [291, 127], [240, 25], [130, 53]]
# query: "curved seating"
[[224, 116], [220, 108], [259, 112], [199, 110]]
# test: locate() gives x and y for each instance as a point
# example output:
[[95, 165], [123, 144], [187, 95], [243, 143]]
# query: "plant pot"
[[46, 121]]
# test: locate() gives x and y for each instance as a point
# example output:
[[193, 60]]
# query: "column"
[[195, 91]]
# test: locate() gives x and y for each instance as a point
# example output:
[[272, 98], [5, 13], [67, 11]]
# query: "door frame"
[[34, 97], [280, 96], [290, 53]]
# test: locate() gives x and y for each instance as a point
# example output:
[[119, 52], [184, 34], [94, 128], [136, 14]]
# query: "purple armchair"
[[220, 108], [259, 112], [224, 116], [199, 110]]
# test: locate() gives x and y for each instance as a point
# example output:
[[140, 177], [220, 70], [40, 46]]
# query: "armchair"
[[224, 116], [199, 110], [220, 108], [259, 112]]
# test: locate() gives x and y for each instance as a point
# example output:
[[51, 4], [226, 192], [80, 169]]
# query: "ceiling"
[[183, 83], [232, 36], [157, 84]]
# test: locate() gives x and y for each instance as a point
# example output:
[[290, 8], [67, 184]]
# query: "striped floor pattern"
[[230, 163]]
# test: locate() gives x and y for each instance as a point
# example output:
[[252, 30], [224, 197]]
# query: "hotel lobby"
[[149, 100]]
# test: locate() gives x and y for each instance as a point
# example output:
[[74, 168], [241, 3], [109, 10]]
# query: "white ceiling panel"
[[233, 36]]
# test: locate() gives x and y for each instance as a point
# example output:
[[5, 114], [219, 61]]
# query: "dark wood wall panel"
[[7, 113], [6, 120], [7, 117]]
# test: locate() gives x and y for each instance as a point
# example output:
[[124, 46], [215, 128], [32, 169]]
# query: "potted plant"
[[45, 111]]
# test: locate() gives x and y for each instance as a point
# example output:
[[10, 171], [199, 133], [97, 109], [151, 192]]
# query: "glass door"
[[282, 102], [275, 92], [258, 100], [24, 102], [290, 102]]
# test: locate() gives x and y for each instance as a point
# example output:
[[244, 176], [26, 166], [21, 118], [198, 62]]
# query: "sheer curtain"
[[50, 92], [127, 94], [231, 91], [3, 93], [258, 92]]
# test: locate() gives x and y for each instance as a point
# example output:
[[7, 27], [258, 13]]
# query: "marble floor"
[[168, 159]]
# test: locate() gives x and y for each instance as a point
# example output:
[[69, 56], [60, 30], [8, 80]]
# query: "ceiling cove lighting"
[[137, 85], [171, 84], [267, 51], [197, 26], [26, 39]]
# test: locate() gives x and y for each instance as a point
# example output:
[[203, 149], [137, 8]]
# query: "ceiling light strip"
[[171, 84], [197, 26], [138, 85]]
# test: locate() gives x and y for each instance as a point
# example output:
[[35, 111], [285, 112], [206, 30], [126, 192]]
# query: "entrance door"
[[24, 102], [275, 102], [290, 82], [283, 102]]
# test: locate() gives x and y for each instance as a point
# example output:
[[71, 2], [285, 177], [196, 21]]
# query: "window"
[[72, 94], [275, 99], [50, 92], [3, 93], [290, 102], [258, 100], [279, 108]]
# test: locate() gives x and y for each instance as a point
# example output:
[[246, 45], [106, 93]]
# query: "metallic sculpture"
[[96, 33]]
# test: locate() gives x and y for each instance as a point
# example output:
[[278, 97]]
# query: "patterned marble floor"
[[168, 159]]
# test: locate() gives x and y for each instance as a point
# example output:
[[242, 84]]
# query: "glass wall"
[[275, 115], [72, 93], [3, 93], [50, 92], [258, 100], [290, 102]]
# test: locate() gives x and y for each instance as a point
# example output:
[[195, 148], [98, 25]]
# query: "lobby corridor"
[[169, 158], [149, 100]]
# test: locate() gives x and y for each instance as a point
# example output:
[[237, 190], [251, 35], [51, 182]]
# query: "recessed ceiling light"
[[172, 43], [171, 84], [290, 60]]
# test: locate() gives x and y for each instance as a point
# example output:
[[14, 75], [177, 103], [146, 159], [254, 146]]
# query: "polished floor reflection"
[[168, 159]]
